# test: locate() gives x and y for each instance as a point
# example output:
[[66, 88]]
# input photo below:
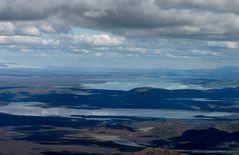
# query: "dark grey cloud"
[[25, 10], [201, 19]]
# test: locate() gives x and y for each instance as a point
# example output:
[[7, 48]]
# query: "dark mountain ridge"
[[145, 97]]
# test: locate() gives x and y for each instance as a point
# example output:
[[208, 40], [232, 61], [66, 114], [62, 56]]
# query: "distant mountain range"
[[145, 97]]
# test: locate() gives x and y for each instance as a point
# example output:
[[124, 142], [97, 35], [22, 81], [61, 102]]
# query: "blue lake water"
[[35, 109], [127, 84]]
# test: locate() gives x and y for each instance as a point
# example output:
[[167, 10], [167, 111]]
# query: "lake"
[[38, 109], [131, 83]]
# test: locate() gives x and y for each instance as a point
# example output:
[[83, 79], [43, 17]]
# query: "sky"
[[179, 34]]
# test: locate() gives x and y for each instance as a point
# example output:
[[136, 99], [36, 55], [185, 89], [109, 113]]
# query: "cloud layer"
[[146, 30]]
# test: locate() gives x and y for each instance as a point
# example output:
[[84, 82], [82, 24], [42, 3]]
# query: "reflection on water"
[[33, 109], [127, 142], [116, 140], [127, 84]]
